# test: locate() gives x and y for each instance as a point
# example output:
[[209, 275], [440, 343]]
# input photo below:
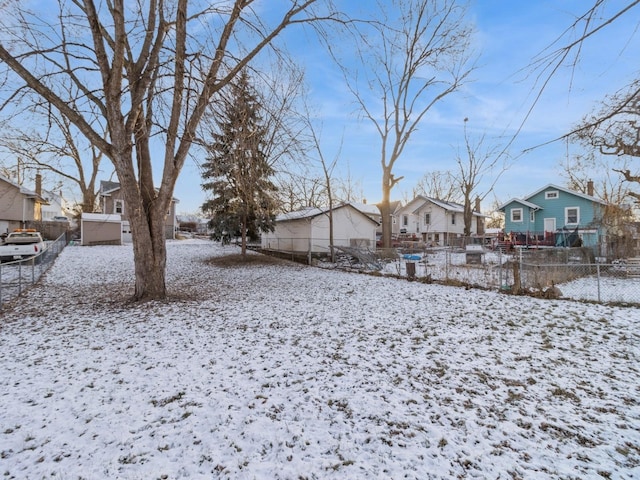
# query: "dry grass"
[[250, 259]]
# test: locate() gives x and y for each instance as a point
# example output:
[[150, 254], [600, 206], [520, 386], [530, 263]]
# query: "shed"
[[307, 230], [101, 229]]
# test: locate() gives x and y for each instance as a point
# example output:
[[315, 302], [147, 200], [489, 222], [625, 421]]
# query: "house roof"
[[526, 203], [366, 208], [533, 206], [394, 206], [446, 205], [564, 189], [25, 191], [102, 217], [312, 212], [107, 187]]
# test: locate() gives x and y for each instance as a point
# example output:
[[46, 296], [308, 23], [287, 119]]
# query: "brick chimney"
[[590, 188], [39, 184]]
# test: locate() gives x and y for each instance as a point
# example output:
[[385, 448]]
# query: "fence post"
[[598, 277], [517, 285], [447, 257]]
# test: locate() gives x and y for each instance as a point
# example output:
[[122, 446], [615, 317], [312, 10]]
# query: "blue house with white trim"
[[555, 216]]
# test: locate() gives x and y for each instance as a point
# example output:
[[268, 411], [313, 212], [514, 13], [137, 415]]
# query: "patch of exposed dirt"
[[236, 260]]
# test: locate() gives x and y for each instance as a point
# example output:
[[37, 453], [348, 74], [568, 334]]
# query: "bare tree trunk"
[[419, 55], [149, 249], [243, 236], [127, 48]]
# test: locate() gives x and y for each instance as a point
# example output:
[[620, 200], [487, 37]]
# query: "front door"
[[549, 225]]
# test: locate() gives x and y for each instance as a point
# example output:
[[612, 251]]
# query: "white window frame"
[[551, 195], [532, 216], [427, 218], [453, 219], [514, 210], [566, 215], [118, 203], [405, 220]]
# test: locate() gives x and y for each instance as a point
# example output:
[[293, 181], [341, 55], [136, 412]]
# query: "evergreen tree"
[[237, 171]]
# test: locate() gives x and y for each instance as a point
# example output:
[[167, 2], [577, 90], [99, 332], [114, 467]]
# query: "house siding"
[[99, 229], [440, 228], [311, 234], [15, 206], [111, 197], [589, 221]]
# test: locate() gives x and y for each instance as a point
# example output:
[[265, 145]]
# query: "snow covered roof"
[[102, 217], [311, 212], [366, 208], [446, 205]]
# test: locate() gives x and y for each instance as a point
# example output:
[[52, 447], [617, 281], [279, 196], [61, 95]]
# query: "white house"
[[436, 221], [307, 230], [57, 206]]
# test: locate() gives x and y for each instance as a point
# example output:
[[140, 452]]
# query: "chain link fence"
[[569, 273], [17, 276]]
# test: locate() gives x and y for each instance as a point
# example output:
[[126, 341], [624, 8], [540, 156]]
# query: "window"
[[551, 195], [453, 219], [516, 214], [571, 216], [118, 206], [405, 220], [427, 219], [532, 216]]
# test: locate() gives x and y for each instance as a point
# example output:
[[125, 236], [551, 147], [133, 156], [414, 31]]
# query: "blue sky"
[[508, 36]]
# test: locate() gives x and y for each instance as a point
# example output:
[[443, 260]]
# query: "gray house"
[[19, 206], [112, 203]]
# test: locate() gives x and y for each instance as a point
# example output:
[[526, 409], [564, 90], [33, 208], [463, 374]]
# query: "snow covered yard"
[[279, 371]]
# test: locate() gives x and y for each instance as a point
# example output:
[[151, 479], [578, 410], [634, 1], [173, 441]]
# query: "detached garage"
[[101, 229], [307, 230]]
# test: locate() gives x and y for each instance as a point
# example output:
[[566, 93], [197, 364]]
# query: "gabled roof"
[[366, 208], [394, 206], [25, 191], [312, 212], [532, 206], [107, 187], [566, 190], [446, 205]]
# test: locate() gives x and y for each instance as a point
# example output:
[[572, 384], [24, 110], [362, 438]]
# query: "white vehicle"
[[21, 243]]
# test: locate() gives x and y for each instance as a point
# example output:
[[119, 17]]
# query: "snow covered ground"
[[281, 371], [611, 286]]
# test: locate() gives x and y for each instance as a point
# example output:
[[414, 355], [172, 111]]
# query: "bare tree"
[[414, 56], [146, 71], [439, 184], [348, 189], [300, 189], [609, 187], [477, 161], [613, 131], [327, 169], [62, 151]]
